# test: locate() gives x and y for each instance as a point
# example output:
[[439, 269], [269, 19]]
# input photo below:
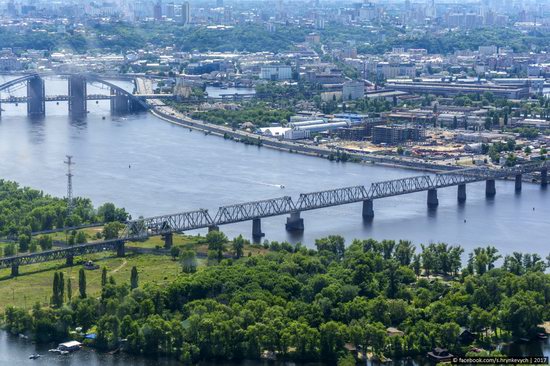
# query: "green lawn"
[[35, 281]]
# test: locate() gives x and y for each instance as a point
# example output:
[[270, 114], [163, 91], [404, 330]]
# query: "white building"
[[276, 72]]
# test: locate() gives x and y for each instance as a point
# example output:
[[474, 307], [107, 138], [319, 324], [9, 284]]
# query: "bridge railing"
[[340, 196], [252, 210]]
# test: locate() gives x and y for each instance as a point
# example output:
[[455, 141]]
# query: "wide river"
[[151, 167]]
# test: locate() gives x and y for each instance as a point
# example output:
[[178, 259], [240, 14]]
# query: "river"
[[151, 167]]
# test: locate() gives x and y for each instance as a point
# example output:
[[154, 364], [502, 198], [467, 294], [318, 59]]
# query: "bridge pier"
[[433, 201], [257, 229], [120, 250], [294, 222], [490, 188], [368, 209], [544, 177], [77, 96], [168, 240], [120, 103], [70, 260], [213, 228], [519, 179], [461, 193], [36, 94], [14, 270]]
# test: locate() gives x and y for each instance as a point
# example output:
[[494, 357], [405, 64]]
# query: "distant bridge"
[[122, 101], [167, 225]]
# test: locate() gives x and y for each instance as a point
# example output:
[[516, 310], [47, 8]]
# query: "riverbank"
[[168, 114]]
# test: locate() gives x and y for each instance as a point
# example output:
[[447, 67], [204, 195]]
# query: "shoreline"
[[290, 147]]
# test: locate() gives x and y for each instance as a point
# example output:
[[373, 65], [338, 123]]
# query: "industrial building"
[[353, 90], [393, 135], [454, 89]]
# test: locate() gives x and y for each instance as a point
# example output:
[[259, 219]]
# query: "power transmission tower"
[[70, 203]]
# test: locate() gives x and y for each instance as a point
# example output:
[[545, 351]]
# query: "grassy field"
[[35, 281]]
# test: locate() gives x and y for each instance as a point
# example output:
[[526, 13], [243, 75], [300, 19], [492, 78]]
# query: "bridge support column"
[[294, 222], [213, 228], [433, 201], [120, 103], [77, 96], [490, 188], [257, 229], [461, 193], [120, 250], [544, 177], [519, 179], [368, 209], [168, 240], [70, 260], [36, 94], [15, 270]]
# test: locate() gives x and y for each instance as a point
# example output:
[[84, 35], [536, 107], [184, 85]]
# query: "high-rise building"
[[185, 16], [157, 10], [170, 12]]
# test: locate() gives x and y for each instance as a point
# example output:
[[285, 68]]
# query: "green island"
[[334, 303]]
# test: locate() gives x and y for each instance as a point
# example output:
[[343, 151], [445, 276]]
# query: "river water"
[[151, 167]]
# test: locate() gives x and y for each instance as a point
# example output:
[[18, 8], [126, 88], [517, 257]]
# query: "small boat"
[[281, 186], [440, 355], [542, 336], [34, 356], [64, 353], [53, 350]]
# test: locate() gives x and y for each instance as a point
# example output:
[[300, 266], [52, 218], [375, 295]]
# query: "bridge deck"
[[199, 219]]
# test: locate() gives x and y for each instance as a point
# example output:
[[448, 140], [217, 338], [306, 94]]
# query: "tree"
[[69, 289], [9, 250], [109, 213], [112, 229], [332, 339], [45, 242], [80, 238], [24, 241], [103, 277], [238, 246], [82, 283], [216, 242], [55, 301], [334, 244], [175, 252], [134, 281], [188, 261], [521, 313]]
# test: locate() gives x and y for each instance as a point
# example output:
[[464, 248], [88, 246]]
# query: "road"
[[167, 113]]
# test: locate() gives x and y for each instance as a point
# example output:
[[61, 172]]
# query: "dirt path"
[[124, 262]]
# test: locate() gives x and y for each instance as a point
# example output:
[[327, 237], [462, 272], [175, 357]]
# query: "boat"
[[69, 346], [542, 336], [64, 353], [34, 356], [440, 355], [281, 186]]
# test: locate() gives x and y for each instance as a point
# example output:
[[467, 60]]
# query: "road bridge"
[[167, 225], [122, 101]]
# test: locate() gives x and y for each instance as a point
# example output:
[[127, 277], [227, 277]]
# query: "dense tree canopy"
[[304, 304]]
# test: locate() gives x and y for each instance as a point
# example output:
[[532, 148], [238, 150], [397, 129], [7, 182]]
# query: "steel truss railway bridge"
[[122, 101], [167, 225]]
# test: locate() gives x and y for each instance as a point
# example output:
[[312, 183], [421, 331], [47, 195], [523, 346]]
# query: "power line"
[[70, 203]]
